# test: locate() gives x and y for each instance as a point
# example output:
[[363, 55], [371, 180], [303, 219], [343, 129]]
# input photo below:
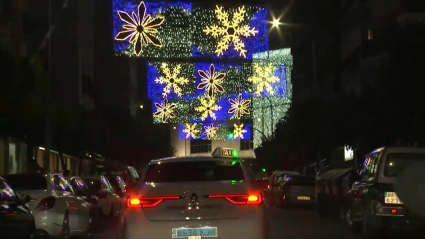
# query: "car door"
[[111, 196], [66, 197]]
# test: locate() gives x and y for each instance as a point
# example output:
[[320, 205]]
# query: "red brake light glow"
[[394, 211], [147, 202], [240, 199]]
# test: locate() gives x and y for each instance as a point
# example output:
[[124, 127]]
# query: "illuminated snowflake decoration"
[[263, 78], [190, 131], [140, 29], [207, 108], [164, 111], [171, 79], [211, 81], [239, 107], [231, 31], [239, 131], [210, 131]]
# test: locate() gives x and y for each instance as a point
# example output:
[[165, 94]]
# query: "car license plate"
[[303, 198], [195, 233], [392, 198]]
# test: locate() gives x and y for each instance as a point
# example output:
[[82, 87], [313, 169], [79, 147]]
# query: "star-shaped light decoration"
[[230, 31], [171, 79], [165, 111], [210, 131], [207, 108], [262, 78], [140, 29], [239, 107], [191, 131], [211, 81], [239, 131]]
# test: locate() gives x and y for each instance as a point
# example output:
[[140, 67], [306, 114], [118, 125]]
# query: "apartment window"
[[200, 146], [370, 34], [246, 145]]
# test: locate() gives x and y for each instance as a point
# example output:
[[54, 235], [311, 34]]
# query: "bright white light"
[[141, 106], [41, 148], [174, 127], [276, 22]]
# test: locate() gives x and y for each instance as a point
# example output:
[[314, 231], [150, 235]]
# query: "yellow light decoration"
[[211, 81], [238, 131], [207, 108], [171, 79], [140, 29], [262, 78], [165, 111], [230, 31], [190, 131], [210, 131], [239, 107]]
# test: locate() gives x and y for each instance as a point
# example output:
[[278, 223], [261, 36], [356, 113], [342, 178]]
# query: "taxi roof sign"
[[225, 152]]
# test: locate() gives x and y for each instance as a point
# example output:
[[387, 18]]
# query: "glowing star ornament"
[[207, 108], [239, 131], [172, 80], [165, 111], [140, 29], [231, 31], [263, 78], [210, 131], [191, 131], [239, 107], [211, 81]]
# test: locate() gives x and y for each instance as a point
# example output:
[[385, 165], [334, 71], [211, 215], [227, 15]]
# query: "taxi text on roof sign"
[[225, 152]]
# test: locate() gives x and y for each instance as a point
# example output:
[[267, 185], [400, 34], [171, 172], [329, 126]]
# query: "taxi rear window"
[[396, 162], [194, 171]]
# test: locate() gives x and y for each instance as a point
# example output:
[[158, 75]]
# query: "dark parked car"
[[119, 186], [16, 219]]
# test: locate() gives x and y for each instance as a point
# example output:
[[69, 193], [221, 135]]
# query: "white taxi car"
[[57, 211], [195, 197]]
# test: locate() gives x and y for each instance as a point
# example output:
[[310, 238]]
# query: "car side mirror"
[[26, 198]]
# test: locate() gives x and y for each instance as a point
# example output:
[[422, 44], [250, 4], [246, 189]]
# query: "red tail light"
[[146, 202], [46, 204], [240, 199]]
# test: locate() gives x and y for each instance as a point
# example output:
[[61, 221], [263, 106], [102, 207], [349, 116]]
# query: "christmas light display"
[[263, 78], [239, 131], [211, 81], [210, 131], [239, 107], [269, 110], [207, 108], [140, 29], [231, 31], [191, 130], [171, 79], [220, 131], [164, 111]]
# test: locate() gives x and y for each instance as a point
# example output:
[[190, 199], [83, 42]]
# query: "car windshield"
[[94, 185], [26, 181], [396, 162], [193, 171]]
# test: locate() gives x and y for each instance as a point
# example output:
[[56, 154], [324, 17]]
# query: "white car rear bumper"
[[249, 226], [48, 221]]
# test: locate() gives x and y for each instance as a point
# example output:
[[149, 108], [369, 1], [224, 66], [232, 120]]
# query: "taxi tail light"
[[46, 203], [147, 202], [393, 211], [240, 199]]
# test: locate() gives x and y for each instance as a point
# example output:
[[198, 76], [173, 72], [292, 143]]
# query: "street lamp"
[[141, 106], [276, 23]]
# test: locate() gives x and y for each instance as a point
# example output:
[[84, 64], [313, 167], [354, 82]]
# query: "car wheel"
[[65, 233], [349, 221]]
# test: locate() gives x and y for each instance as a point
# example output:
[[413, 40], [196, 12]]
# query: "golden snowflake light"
[[239, 131], [140, 29], [263, 78], [231, 31], [190, 131], [165, 111], [210, 131], [239, 107], [211, 81], [207, 108], [171, 79]]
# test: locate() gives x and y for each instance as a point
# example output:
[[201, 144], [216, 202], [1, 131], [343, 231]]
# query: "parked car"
[[119, 186], [110, 202], [53, 202], [274, 186], [295, 190], [127, 173], [16, 219]]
